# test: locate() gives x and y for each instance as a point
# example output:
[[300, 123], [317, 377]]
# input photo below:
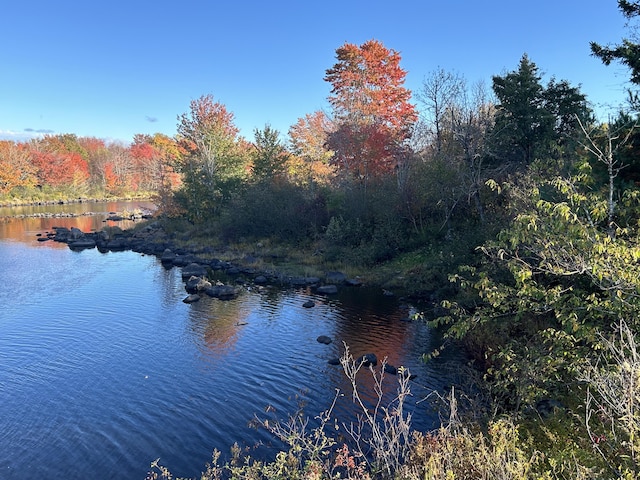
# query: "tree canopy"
[[371, 109]]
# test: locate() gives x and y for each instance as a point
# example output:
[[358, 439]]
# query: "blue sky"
[[117, 68]]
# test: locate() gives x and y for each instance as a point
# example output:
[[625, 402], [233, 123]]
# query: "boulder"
[[62, 234], [297, 282], [249, 259], [75, 233], [327, 289], [185, 260], [309, 304], [324, 339], [194, 270], [82, 244], [117, 244], [260, 280], [335, 277], [197, 284], [167, 256], [223, 292]]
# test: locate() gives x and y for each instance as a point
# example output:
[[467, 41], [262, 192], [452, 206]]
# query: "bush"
[[613, 402], [281, 211]]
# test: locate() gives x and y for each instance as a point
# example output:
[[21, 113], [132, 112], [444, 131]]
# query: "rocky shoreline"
[[196, 265], [68, 201], [111, 216]]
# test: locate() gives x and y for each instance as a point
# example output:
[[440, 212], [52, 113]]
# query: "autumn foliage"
[[85, 165], [16, 169], [371, 107], [311, 157]]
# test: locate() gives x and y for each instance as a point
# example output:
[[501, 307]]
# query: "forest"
[[510, 209]]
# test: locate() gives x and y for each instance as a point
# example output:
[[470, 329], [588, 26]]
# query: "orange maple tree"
[[16, 169], [311, 156], [371, 108]]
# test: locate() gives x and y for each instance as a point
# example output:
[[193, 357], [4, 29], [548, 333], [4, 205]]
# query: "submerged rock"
[[324, 339], [327, 289], [223, 292], [369, 359], [192, 298]]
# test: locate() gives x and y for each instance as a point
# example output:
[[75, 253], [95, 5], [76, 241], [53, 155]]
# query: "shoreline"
[[71, 201], [152, 239]]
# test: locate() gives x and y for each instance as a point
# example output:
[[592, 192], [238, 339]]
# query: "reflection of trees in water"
[[24, 229], [216, 323], [369, 322], [171, 285]]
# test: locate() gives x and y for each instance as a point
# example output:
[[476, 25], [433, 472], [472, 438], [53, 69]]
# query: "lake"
[[104, 369]]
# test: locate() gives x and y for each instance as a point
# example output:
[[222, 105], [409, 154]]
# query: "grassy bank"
[[52, 196]]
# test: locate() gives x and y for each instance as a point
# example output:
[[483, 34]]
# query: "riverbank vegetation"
[[510, 210]]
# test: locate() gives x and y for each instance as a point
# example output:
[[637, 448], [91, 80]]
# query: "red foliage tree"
[[111, 180], [59, 168], [371, 107]]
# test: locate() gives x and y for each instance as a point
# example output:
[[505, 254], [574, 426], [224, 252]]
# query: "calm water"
[[103, 369]]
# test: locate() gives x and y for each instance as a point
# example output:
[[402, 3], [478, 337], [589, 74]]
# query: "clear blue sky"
[[116, 68]]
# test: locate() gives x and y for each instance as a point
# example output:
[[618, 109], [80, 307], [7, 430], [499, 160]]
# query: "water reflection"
[[104, 369], [217, 324], [25, 229]]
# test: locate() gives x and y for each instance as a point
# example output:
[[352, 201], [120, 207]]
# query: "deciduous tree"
[[16, 168], [57, 167], [215, 163], [311, 156], [371, 109], [452, 144]]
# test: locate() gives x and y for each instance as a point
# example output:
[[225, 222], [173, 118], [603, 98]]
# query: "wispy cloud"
[[151, 119], [26, 134], [39, 130]]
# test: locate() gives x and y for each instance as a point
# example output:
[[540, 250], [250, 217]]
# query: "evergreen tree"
[[532, 121], [269, 155], [628, 52]]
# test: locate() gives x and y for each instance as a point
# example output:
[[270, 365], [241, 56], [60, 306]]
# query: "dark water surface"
[[103, 369]]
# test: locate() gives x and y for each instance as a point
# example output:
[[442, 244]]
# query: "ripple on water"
[[105, 369]]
